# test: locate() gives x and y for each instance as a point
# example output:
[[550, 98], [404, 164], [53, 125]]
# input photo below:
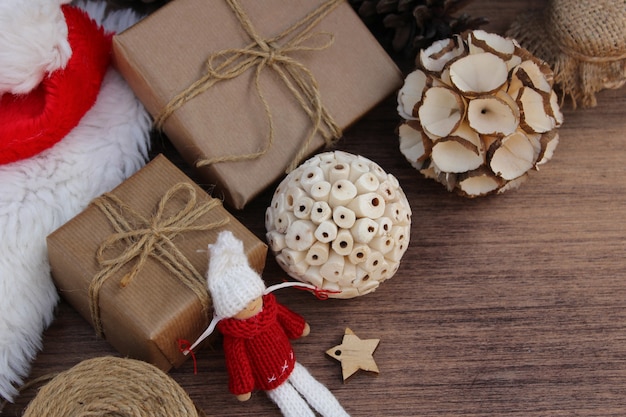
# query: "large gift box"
[[264, 83], [133, 263]]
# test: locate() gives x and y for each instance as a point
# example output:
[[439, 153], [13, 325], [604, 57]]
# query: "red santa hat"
[[232, 282], [54, 57]]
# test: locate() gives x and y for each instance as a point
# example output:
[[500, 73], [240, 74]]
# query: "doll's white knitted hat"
[[231, 280]]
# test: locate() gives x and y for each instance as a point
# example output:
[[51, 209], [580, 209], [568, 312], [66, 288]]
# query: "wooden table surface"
[[511, 305]]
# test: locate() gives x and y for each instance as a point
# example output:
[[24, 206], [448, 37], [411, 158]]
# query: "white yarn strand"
[[204, 335], [282, 285]]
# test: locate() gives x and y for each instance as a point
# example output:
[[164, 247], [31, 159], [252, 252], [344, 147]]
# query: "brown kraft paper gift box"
[[146, 318], [166, 52]]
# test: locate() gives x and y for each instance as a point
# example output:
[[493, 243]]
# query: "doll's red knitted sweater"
[[257, 350]]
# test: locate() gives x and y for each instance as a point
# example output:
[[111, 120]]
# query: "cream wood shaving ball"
[[480, 113], [339, 222]]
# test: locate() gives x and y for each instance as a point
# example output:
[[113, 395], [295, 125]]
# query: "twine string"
[[586, 58], [137, 238], [270, 53]]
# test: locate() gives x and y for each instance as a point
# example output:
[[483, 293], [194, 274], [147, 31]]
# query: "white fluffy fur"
[[39, 194], [33, 42]]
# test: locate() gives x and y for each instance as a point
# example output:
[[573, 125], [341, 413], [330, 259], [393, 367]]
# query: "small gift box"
[[246, 89], [133, 263]]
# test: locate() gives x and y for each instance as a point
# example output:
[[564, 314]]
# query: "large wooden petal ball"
[[479, 114]]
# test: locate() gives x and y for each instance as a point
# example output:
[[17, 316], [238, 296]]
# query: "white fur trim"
[[39, 194], [33, 43]]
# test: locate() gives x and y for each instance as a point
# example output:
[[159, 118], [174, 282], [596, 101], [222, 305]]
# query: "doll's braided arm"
[[292, 323], [241, 378]]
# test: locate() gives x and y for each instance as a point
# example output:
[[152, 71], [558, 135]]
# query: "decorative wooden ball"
[[480, 112], [339, 222]]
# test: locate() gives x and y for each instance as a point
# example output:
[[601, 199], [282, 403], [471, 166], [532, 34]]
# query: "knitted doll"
[[256, 330]]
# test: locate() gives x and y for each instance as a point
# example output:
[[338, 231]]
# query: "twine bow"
[[138, 238], [269, 53]]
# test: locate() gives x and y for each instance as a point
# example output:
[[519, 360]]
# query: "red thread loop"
[[183, 347], [320, 293]]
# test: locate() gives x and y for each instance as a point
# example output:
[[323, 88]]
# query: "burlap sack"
[[584, 43]]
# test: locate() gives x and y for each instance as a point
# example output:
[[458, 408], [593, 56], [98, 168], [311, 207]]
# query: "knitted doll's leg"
[[320, 398], [289, 401]]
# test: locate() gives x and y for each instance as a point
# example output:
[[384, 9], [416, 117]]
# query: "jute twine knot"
[[138, 238], [110, 386], [583, 42], [275, 54]]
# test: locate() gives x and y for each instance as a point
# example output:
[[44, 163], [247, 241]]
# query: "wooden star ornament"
[[354, 354]]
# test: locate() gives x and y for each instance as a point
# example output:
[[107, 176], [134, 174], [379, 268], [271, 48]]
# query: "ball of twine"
[[108, 386], [584, 43]]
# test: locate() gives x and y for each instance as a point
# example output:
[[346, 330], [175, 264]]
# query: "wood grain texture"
[[511, 305]]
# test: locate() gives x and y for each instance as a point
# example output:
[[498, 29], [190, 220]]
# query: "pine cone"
[[406, 26], [141, 6]]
